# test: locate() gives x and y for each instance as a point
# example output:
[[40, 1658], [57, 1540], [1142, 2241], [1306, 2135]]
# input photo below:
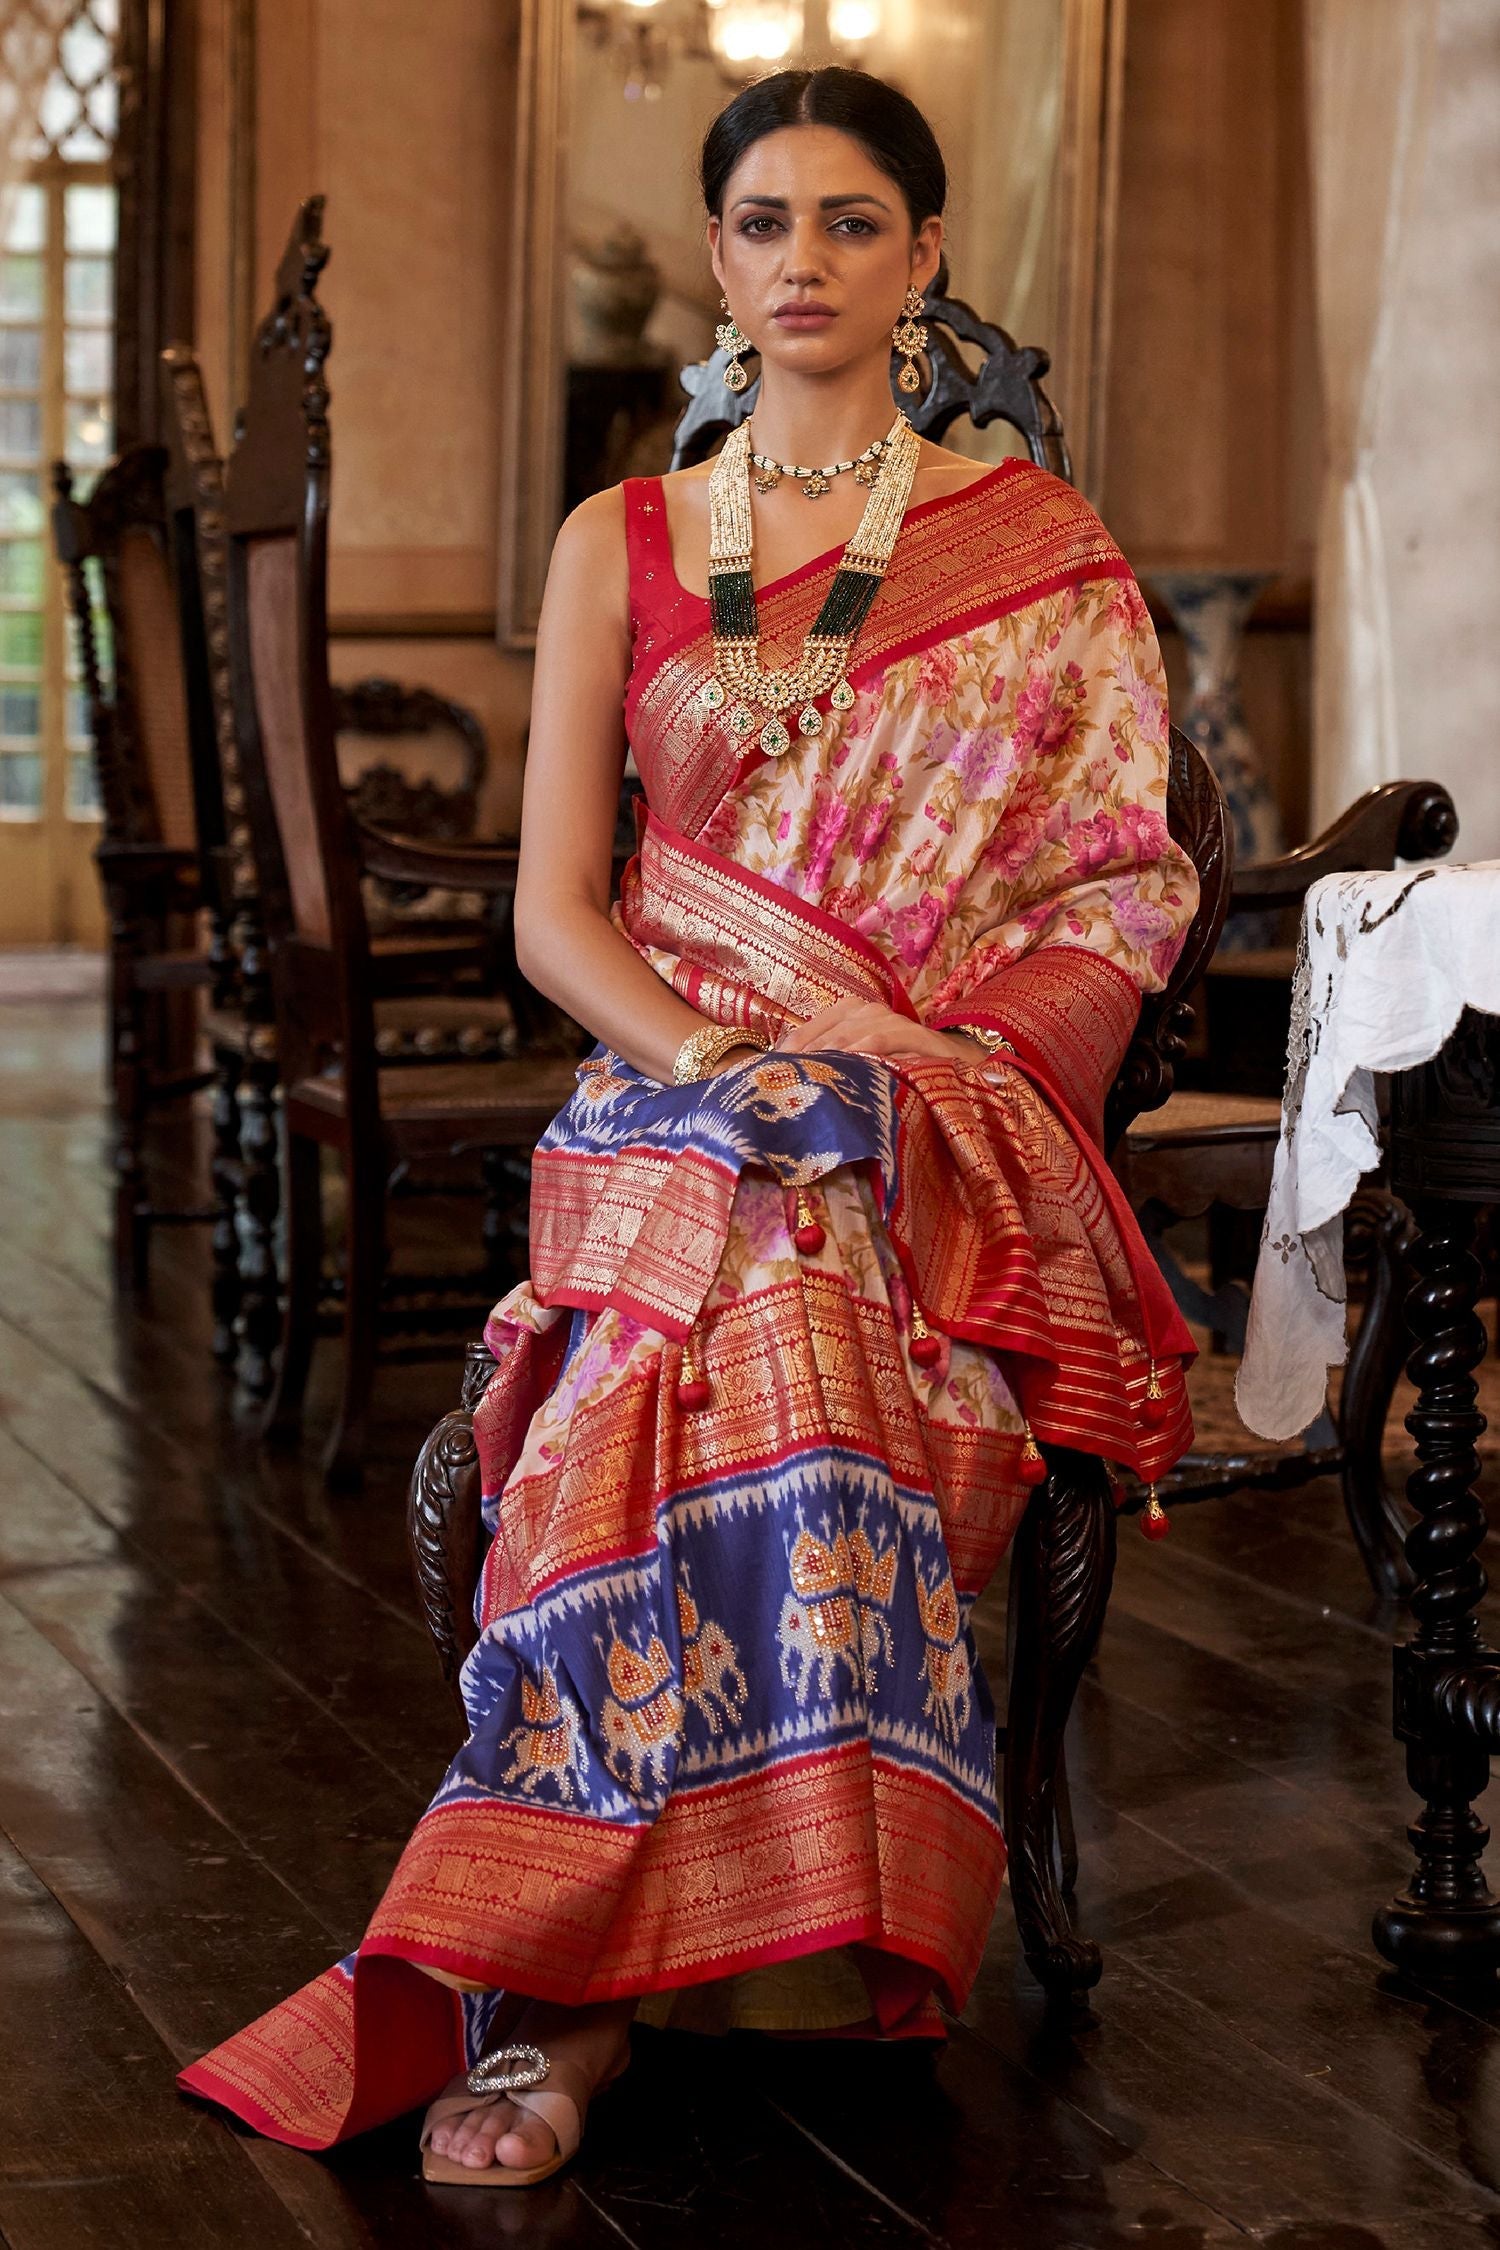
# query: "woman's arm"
[[566, 944]]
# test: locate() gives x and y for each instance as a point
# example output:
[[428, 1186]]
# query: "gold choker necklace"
[[866, 467], [822, 666]]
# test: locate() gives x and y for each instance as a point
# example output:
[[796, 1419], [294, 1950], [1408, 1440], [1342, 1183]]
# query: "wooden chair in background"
[[311, 854], [162, 815]]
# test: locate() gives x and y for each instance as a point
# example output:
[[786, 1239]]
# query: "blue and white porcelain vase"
[[1209, 609]]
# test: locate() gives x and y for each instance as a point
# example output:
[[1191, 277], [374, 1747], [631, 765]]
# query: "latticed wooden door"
[[57, 261]]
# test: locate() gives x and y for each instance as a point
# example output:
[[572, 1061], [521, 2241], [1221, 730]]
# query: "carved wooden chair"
[[311, 853], [1201, 1152], [162, 812], [436, 973]]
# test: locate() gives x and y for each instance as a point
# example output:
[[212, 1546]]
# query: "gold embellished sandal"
[[555, 2090]]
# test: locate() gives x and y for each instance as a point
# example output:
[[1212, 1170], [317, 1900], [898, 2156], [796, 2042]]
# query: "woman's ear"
[[715, 229], [927, 250]]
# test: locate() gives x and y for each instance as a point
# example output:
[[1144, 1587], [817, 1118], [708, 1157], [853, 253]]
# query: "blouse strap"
[[648, 547]]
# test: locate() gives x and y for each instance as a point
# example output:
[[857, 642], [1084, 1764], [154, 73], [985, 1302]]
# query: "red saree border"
[[778, 1863], [833, 952], [1067, 1011]]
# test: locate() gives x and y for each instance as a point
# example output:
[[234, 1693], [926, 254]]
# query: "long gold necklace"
[[822, 667]]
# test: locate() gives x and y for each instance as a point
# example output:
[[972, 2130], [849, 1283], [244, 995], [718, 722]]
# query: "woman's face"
[[809, 221]]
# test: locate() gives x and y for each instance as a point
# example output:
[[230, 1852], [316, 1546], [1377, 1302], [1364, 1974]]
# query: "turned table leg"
[[1446, 1922]]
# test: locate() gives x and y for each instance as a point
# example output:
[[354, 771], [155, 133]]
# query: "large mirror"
[[612, 291]]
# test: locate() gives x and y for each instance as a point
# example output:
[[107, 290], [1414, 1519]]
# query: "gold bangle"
[[702, 1049], [993, 1042]]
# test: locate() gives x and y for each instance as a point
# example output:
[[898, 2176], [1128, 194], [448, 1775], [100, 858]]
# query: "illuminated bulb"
[[750, 31], [853, 22]]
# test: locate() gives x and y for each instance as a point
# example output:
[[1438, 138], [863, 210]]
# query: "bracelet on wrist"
[[993, 1042], [703, 1048]]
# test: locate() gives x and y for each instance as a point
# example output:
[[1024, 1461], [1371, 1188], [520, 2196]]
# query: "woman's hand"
[[868, 1027]]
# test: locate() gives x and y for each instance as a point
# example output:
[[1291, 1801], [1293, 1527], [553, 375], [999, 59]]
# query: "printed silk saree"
[[730, 1746]]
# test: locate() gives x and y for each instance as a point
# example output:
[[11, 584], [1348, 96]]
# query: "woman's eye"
[[752, 226], [855, 224]]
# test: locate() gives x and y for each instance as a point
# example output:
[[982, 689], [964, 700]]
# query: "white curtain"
[[29, 32], [1368, 75]]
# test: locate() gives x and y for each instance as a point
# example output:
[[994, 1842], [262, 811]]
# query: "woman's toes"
[[529, 2141]]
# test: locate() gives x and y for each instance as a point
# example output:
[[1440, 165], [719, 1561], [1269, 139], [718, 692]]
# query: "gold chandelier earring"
[[910, 337], [731, 338]]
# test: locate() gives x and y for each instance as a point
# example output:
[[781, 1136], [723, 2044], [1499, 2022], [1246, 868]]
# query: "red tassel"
[[807, 1234], [1032, 1468], [693, 1393], [1155, 1409], [1155, 1523], [926, 1350]]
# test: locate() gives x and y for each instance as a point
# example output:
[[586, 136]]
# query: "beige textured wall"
[[401, 117], [1438, 445], [1213, 448]]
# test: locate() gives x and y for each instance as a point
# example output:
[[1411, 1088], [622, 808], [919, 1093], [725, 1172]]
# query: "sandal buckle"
[[509, 2070]]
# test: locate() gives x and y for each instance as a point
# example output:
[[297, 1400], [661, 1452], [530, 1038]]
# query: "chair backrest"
[[198, 552], [157, 783], [1198, 819], [276, 491], [385, 795], [1006, 386]]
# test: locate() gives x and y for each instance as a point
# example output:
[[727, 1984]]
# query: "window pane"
[[20, 285], [20, 713], [89, 355], [20, 785], [88, 286], [28, 220], [87, 430], [20, 501], [83, 51], [78, 716], [20, 358], [21, 577], [20, 640], [90, 218], [20, 428], [83, 786]]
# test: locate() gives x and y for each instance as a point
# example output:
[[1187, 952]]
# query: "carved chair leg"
[[128, 1079], [364, 1267], [304, 1272], [445, 1527], [225, 1170], [1380, 1230], [1064, 1556]]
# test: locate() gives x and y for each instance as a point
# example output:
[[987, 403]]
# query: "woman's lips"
[[796, 317]]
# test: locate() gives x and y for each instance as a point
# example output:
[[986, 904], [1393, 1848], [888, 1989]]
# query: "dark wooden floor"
[[220, 1719]]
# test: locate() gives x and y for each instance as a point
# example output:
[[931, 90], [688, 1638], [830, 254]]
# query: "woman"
[[823, 1244]]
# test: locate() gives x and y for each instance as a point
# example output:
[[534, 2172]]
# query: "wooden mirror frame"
[[532, 409]]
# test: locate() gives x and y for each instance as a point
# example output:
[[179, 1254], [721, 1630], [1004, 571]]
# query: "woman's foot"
[[595, 2040]]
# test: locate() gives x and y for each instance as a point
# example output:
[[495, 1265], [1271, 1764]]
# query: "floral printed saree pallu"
[[729, 1739]]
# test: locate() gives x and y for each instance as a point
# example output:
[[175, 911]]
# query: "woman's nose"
[[804, 259]]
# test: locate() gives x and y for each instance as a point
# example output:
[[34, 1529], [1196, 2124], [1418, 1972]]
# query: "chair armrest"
[[1400, 820], [146, 863], [453, 867]]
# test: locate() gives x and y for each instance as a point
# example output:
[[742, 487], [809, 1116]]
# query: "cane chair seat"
[[1197, 1120], [527, 1094]]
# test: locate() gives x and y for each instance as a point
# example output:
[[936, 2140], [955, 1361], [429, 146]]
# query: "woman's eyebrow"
[[825, 202]]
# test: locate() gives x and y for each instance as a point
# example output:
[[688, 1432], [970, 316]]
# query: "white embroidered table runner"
[[1385, 967]]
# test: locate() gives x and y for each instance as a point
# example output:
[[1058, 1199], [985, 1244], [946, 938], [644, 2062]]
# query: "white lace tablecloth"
[[1385, 967]]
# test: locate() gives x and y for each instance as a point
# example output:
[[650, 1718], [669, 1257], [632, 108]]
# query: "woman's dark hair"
[[888, 126]]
